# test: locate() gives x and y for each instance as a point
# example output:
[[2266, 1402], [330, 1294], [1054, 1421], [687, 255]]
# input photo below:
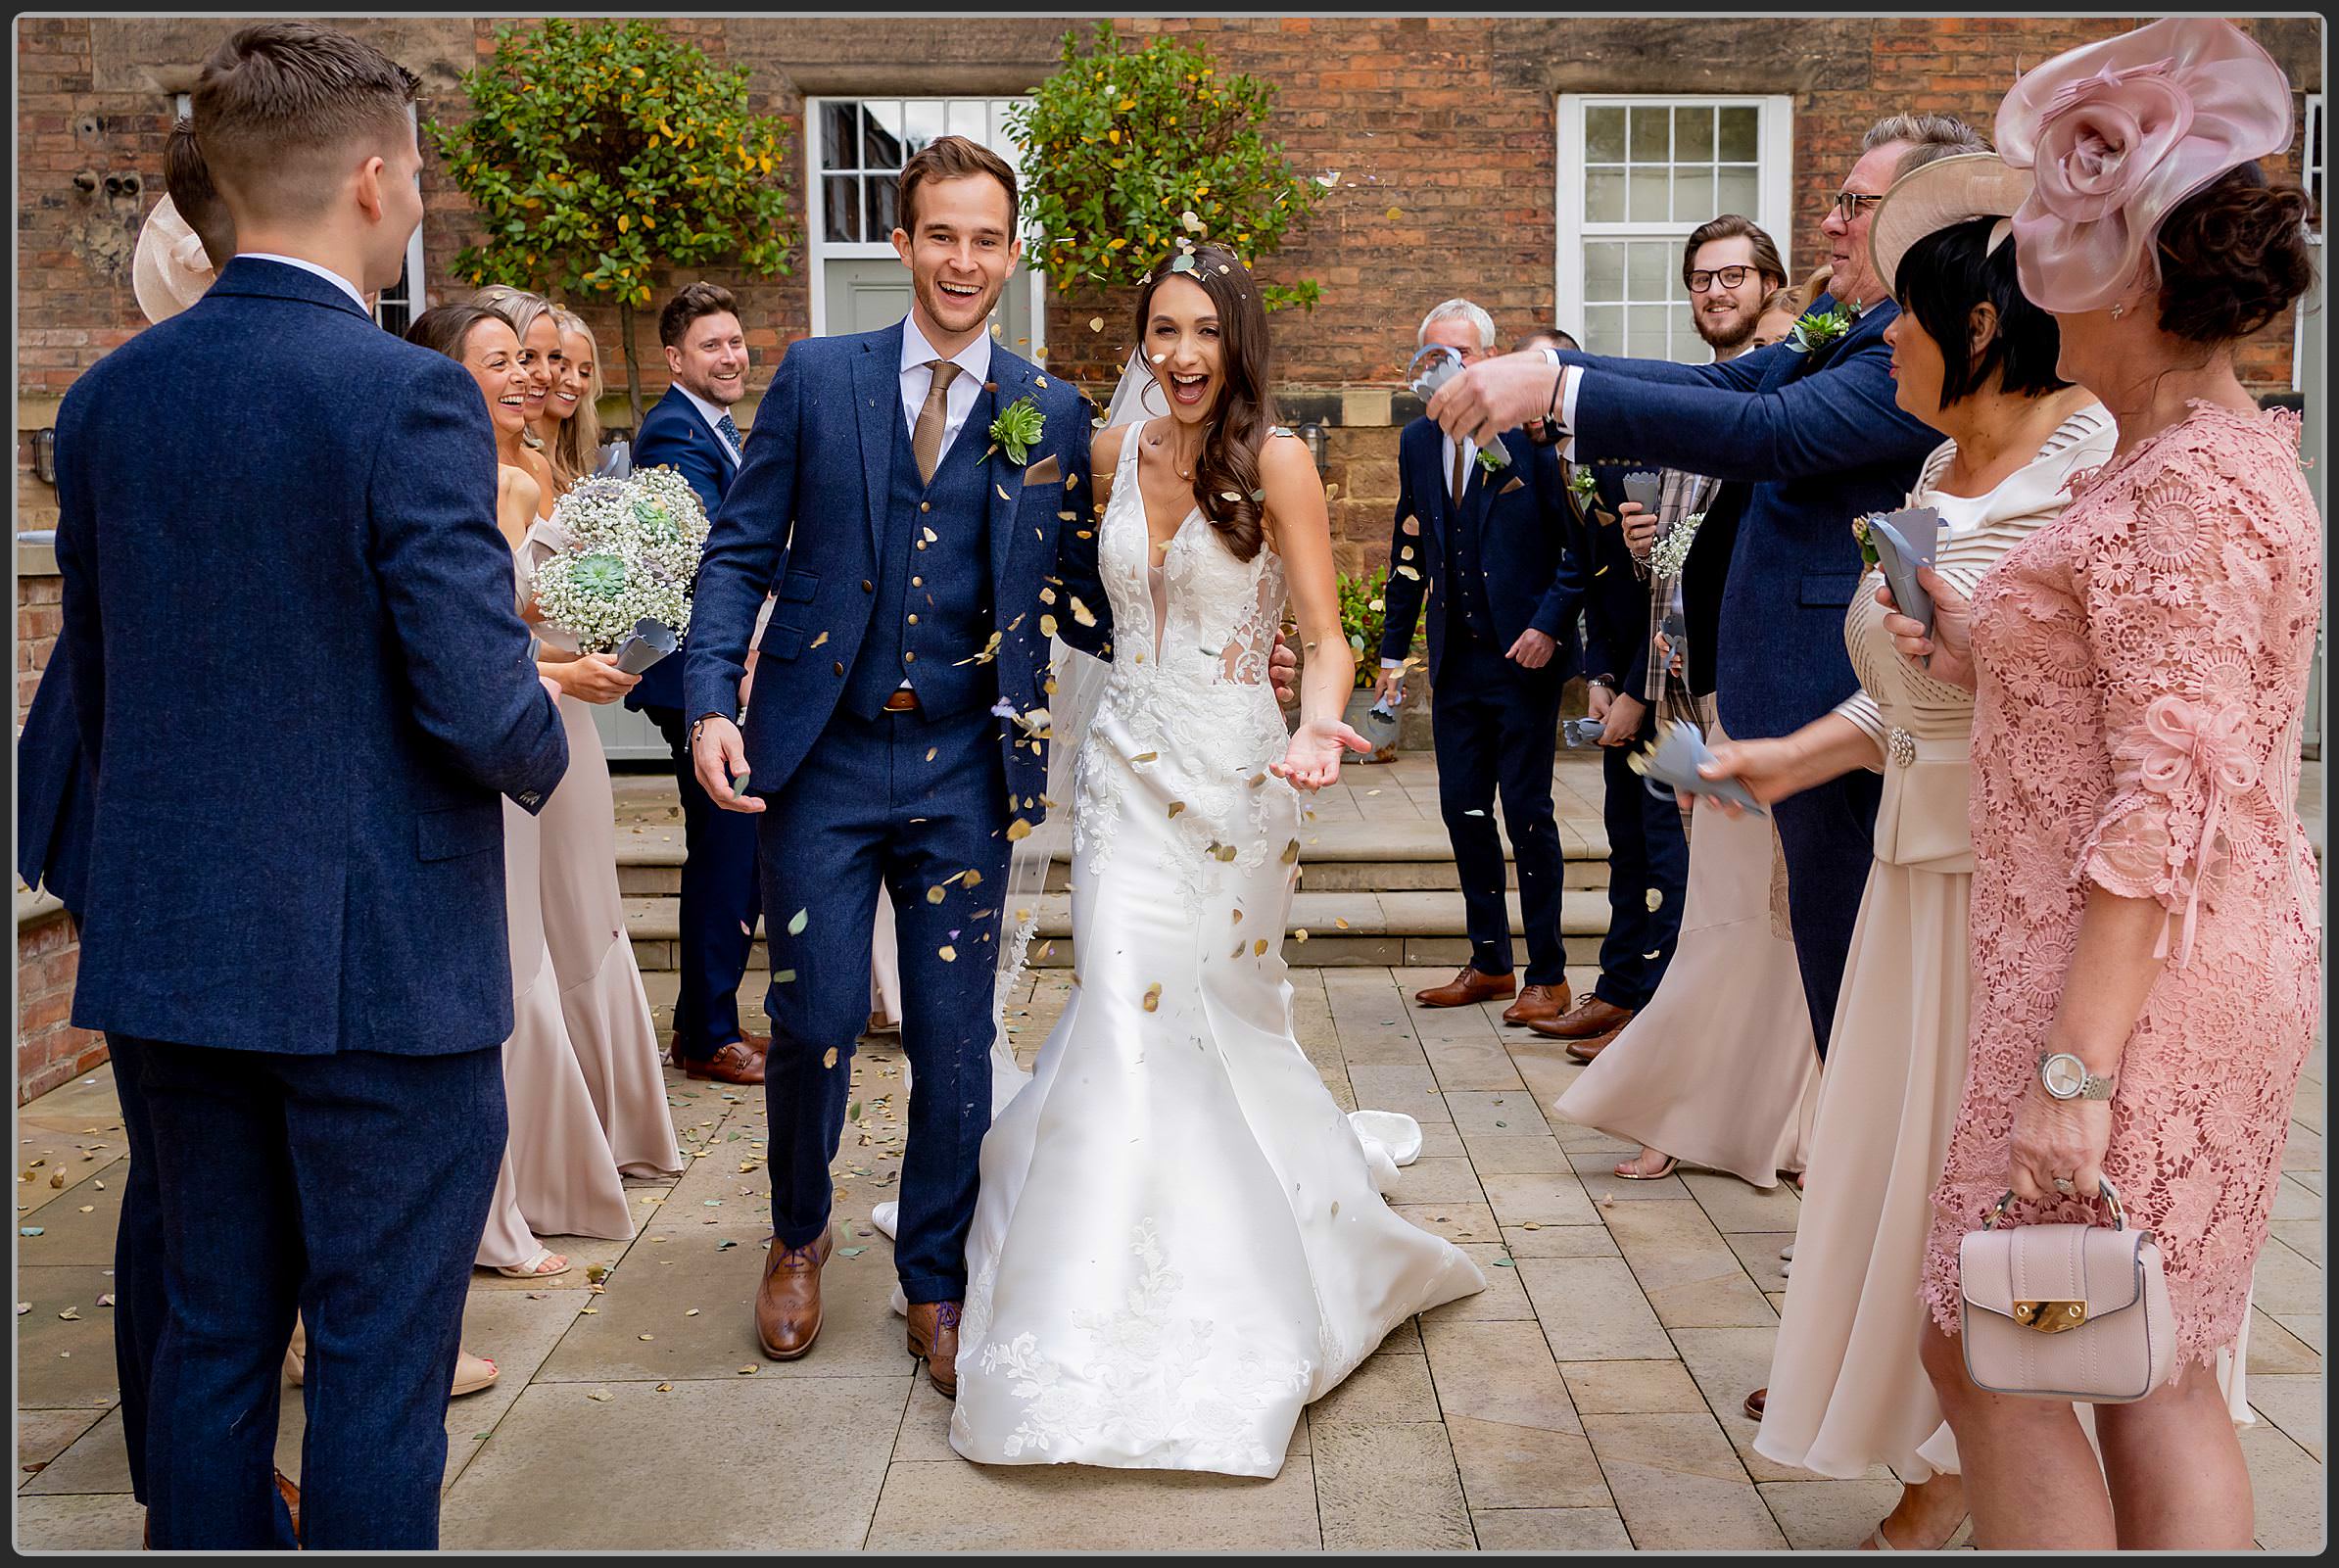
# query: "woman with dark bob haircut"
[[1975, 360], [2145, 924]]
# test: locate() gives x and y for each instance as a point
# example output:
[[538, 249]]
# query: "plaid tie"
[[730, 431]]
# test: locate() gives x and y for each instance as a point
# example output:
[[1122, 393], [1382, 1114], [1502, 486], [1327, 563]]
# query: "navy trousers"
[[922, 807], [1828, 834], [720, 901], [351, 1188], [1647, 852], [1496, 730]]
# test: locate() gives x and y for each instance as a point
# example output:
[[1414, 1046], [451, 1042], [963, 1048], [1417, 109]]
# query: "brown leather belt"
[[902, 700]]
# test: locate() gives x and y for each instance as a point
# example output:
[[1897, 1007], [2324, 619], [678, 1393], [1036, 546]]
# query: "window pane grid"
[[864, 143], [1653, 172]]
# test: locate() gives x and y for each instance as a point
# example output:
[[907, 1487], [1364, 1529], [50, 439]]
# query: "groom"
[[903, 736]]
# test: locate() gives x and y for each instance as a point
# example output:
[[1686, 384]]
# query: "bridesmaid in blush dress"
[[558, 1177], [601, 1001]]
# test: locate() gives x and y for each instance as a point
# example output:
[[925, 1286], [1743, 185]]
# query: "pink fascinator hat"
[[169, 271], [2117, 134]]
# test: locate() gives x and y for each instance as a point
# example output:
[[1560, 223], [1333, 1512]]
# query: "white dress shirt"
[[325, 272], [973, 363], [713, 417]]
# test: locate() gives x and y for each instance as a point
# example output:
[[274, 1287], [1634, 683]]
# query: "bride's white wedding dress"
[[1179, 1239]]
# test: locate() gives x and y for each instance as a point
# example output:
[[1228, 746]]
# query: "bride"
[[1179, 1239]]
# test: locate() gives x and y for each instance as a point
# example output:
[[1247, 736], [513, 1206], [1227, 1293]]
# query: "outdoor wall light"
[[44, 456], [1312, 433], [124, 184]]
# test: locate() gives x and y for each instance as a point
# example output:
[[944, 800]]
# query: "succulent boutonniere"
[[1583, 484], [1868, 556], [1493, 459], [1819, 328], [1018, 427]]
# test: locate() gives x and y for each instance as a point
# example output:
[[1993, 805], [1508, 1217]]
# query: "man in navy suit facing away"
[[690, 431], [301, 685]]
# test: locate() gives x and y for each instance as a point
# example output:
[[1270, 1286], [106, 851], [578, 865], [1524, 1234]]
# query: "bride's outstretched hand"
[[1312, 760]]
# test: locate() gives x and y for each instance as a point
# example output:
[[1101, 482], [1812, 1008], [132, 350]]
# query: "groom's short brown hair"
[[280, 104], [951, 158]]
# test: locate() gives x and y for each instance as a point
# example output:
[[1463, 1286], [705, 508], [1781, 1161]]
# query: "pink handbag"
[[2066, 1312]]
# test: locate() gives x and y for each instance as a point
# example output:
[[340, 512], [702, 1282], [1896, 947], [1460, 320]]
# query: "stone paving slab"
[[1587, 1400]]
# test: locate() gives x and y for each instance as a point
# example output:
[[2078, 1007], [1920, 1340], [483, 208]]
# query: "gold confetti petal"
[[1153, 997]]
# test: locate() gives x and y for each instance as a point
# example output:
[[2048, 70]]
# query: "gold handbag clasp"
[[2050, 1317]]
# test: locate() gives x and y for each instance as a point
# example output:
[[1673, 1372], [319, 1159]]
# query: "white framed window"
[[396, 307], [1637, 174], [2310, 180], [854, 149]]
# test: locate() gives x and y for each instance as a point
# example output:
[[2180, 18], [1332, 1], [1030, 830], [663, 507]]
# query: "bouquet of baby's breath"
[[631, 554]]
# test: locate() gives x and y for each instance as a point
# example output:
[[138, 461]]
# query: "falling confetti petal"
[[1656, 898], [798, 920]]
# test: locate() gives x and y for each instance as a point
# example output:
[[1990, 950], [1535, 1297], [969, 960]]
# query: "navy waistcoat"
[[934, 595]]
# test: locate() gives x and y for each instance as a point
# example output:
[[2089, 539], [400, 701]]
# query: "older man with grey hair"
[[1486, 543]]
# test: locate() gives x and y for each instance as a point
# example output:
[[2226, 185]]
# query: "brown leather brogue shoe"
[[933, 1339], [741, 1061], [291, 1494], [1468, 985], [787, 1304], [1588, 1026], [1537, 1002], [1755, 1402]]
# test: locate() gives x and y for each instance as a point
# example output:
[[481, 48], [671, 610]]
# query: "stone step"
[[1334, 857], [1403, 927]]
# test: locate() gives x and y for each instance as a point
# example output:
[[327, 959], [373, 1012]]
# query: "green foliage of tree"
[[1120, 146], [1362, 615], [599, 151]]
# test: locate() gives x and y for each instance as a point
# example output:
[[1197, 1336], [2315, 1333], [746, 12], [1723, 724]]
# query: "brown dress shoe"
[[291, 1494], [1755, 1402], [1537, 1002], [1468, 986], [736, 1062], [1588, 1026], [787, 1304], [933, 1339]]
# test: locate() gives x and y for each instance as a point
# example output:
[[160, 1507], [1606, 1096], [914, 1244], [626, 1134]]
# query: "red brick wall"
[[1442, 129], [49, 1050]]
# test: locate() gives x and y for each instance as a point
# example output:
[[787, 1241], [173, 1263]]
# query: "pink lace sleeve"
[[2178, 597]]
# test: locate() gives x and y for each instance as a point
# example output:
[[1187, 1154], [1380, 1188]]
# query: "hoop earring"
[[1152, 384]]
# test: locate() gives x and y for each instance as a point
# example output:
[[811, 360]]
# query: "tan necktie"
[[1461, 475], [926, 441]]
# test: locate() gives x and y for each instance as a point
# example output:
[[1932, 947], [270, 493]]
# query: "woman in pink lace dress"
[[2144, 897]]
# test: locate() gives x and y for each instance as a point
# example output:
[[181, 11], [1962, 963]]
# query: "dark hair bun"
[[2233, 255]]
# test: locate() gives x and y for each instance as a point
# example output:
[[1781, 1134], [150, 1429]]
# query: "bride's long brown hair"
[[1226, 474]]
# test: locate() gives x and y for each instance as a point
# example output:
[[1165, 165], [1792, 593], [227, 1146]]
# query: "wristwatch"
[[2066, 1077]]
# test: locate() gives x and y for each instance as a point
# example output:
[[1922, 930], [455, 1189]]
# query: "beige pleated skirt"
[[1720, 1069], [601, 1001], [558, 1177]]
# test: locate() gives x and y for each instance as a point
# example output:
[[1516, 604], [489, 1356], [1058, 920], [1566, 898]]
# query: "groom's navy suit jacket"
[[804, 516], [1805, 443], [299, 680]]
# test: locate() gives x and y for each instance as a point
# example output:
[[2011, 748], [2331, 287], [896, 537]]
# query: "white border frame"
[[1775, 182], [818, 251]]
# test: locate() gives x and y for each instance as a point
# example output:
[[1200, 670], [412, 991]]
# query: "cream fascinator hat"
[[170, 271], [1939, 195]]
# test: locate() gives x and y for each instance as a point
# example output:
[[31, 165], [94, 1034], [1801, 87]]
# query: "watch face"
[[2064, 1074]]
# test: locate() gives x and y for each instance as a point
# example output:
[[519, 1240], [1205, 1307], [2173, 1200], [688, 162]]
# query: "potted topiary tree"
[[599, 152], [1126, 151]]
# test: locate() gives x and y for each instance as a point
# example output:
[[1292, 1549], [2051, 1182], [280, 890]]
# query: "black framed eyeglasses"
[[1847, 204], [1729, 277]]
